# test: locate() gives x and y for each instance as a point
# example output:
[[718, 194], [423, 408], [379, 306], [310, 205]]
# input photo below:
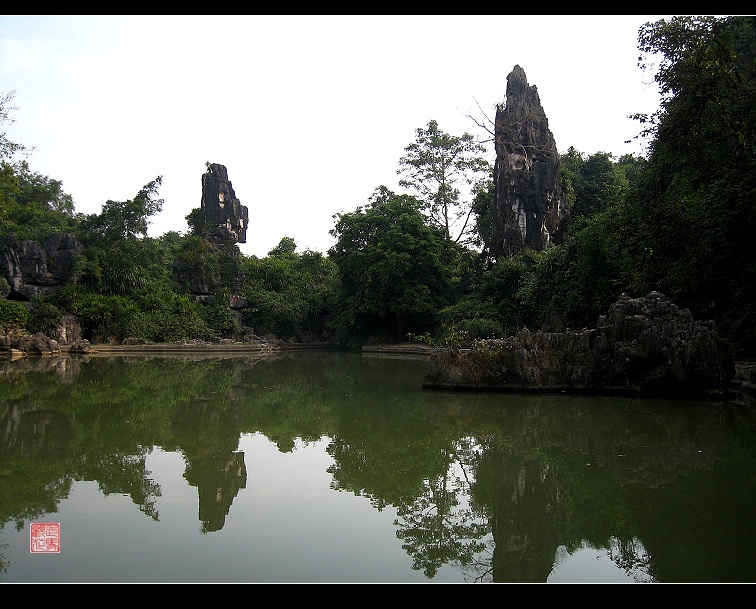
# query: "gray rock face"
[[30, 268], [529, 205], [641, 346], [224, 214]]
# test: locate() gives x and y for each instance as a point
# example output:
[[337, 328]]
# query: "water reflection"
[[501, 488]]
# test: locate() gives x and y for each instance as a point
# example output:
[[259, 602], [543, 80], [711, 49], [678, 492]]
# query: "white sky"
[[309, 114]]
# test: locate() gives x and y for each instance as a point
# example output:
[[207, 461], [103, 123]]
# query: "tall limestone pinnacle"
[[226, 217], [529, 203]]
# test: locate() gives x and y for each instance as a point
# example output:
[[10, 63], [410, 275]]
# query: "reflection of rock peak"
[[218, 480]]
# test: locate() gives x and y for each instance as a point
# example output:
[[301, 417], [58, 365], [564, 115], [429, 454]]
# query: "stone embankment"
[[399, 349]]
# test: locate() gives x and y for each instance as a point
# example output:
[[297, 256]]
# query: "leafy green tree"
[[13, 315], [390, 259], [600, 183], [289, 294], [693, 212], [219, 317], [9, 149], [594, 182], [122, 219], [500, 287], [467, 320], [570, 166], [436, 166], [33, 206], [633, 167], [484, 229], [43, 316], [195, 220]]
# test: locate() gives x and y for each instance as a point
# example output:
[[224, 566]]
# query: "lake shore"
[[253, 347]]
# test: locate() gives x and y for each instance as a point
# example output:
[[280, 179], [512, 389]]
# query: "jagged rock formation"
[[641, 346], [225, 216], [30, 268], [529, 205]]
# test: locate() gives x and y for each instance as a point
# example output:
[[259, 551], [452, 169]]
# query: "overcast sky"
[[309, 114]]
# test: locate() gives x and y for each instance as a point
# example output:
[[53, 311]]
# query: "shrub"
[[13, 315], [43, 317]]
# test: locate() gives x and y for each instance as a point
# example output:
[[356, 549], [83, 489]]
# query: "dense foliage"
[[694, 215], [392, 270], [679, 220]]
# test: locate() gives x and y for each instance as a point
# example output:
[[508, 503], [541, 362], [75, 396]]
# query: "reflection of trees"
[[96, 430], [384, 449], [438, 529], [34, 442], [3, 561], [124, 475], [630, 556], [492, 485], [207, 429], [543, 472], [110, 411]]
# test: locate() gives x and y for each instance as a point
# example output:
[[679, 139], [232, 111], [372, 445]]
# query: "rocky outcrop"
[[40, 344], [641, 346], [225, 216], [529, 204], [30, 268], [64, 338]]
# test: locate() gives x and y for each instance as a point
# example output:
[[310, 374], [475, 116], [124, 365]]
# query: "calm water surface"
[[338, 467]]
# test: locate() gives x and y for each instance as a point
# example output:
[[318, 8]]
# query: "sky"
[[310, 114]]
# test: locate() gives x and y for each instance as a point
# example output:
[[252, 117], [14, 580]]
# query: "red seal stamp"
[[45, 537]]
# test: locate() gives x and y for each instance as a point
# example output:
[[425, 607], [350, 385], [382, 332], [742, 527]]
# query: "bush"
[[43, 317], [220, 318], [13, 315], [480, 328]]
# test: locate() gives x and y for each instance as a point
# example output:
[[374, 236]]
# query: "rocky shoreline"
[[199, 347], [48, 348]]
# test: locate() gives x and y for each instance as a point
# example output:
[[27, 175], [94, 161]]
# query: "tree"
[[126, 219], [9, 149], [600, 184], [483, 218], [392, 271], [33, 206], [694, 216], [196, 223], [436, 165], [289, 294]]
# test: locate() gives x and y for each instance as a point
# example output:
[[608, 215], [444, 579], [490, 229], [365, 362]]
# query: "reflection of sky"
[[589, 565]]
